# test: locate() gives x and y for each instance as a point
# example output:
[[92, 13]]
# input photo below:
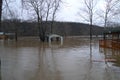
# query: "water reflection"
[[33, 60], [112, 61], [111, 55]]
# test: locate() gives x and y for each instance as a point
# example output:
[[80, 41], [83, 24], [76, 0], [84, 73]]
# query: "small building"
[[111, 40], [54, 37], [10, 35], [6, 36], [3, 36]]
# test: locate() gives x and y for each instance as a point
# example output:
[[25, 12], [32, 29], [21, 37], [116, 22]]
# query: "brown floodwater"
[[30, 59]]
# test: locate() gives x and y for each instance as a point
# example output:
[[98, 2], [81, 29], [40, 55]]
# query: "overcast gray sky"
[[69, 10]]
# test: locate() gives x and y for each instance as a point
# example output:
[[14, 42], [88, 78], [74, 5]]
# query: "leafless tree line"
[[45, 10], [92, 13]]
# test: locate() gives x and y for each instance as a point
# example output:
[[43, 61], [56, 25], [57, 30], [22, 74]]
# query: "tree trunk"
[[1, 1], [16, 36], [40, 29], [52, 23]]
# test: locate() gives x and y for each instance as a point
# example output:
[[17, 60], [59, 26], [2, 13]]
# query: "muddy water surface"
[[30, 59]]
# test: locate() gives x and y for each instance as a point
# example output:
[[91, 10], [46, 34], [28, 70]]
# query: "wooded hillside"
[[62, 28]]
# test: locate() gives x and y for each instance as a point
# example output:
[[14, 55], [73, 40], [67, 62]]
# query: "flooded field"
[[30, 59]]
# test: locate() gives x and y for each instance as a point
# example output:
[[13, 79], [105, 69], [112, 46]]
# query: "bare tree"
[[37, 6], [88, 13], [15, 23], [56, 7], [13, 16], [43, 9], [1, 9], [110, 10]]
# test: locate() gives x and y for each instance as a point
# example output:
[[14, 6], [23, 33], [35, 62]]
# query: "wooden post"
[[1, 2], [0, 71], [104, 37]]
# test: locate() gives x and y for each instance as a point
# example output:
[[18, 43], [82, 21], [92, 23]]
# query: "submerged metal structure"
[[54, 37]]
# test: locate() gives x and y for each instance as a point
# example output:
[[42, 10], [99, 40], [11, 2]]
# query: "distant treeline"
[[61, 28]]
